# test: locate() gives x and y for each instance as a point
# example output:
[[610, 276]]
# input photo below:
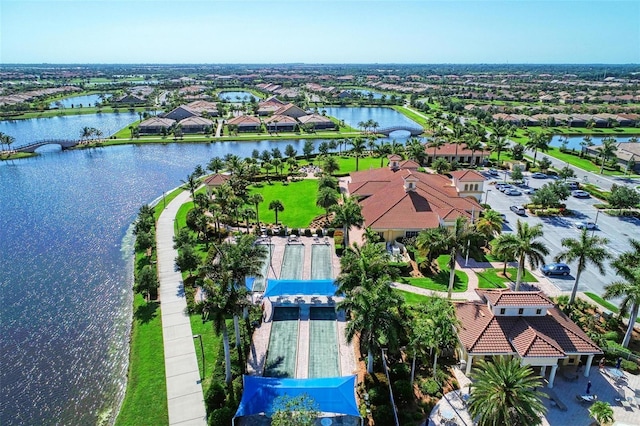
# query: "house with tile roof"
[[399, 201], [524, 324], [290, 110], [317, 121], [280, 123], [245, 123], [463, 156], [270, 105], [195, 124], [154, 125], [215, 180], [202, 107], [180, 113]]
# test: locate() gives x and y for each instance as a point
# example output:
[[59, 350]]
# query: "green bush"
[[383, 415], [330, 232], [379, 395], [319, 232], [630, 366], [400, 371], [403, 391], [307, 232], [215, 397], [221, 416], [429, 387]]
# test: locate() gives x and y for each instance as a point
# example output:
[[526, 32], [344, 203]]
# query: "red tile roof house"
[[448, 152], [195, 124], [245, 123], [215, 180], [524, 324], [399, 201], [201, 107], [180, 113], [280, 123], [269, 106], [317, 121], [154, 125], [290, 110]]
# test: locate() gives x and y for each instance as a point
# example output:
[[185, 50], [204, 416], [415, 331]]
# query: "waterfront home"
[[290, 110], [627, 154], [196, 124], [202, 107], [317, 121], [282, 123], [270, 106], [399, 201], [527, 325], [154, 125], [245, 123], [180, 113], [463, 155]]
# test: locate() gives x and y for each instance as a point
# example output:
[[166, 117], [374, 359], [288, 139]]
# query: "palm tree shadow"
[[272, 369], [146, 313]]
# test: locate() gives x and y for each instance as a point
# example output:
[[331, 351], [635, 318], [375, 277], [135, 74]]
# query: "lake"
[[365, 93], [574, 141], [78, 101], [386, 117], [237, 96], [65, 126]]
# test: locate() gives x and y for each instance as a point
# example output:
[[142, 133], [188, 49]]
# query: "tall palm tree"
[[381, 150], [373, 314], [585, 249], [436, 143], [628, 286], [607, 151], [191, 183], [347, 214], [215, 165], [256, 199], [452, 240], [330, 165], [497, 145], [327, 198], [585, 143], [503, 394], [276, 206], [538, 141], [361, 264], [358, 146], [473, 143], [217, 306], [490, 223], [523, 245], [416, 151]]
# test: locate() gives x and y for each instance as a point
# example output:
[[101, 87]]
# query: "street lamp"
[[486, 196], [199, 336], [595, 223]]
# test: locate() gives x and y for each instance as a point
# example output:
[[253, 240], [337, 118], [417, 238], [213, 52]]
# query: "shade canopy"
[[300, 287], [331, 394]]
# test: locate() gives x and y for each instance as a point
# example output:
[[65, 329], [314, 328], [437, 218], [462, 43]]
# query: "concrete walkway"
[[184, 391]]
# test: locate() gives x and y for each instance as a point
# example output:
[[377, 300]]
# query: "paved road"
[[617, 230], [184, 391]]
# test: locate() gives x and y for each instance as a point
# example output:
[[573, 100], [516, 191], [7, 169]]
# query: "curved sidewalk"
[[184, 391]]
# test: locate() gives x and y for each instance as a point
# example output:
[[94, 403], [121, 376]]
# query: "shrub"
[[307, 232], [382, 415], [630, 366], [400, 371], [215, 397], [295, 231], [429, 387], [330, 232], [378, 395], [319, 232], [403, 391], [282, 232], [221, 416]]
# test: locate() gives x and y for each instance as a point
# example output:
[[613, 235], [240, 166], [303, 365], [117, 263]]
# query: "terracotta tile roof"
[[389, 206], [216, 179], [314, 118], [450, 149], [157, 122], [291, 110], [551, 335], [281, 119], [195, 121], [244, 120], [467, 175], [515, 298]]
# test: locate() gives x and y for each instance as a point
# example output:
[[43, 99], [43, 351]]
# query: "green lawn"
[[440, 282], [412, 298], [298, 199], [489, 278], [606, 304], [145, 401], [211, 344]]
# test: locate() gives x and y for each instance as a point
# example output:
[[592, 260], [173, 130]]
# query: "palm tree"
[[215, 165], [361, 264], [490, 223], [607, 151], [585, 249], [358, 146], [586, 142], [191, 184], [497, 145], [452, 240], [327, 198], [256, 199], [601, 412], [473, 143], [330, 165], [373, 315], [347, 214], [276, 206], [435, 143], [503, 394], [381, 150], [628, 286], [217, 306], [523, 246], [538, 141], [415, 150]]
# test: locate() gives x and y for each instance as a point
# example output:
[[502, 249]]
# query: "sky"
[[319, 31]]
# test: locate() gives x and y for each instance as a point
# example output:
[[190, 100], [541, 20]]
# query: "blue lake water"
[[78, 101], [574, 141], [386, 117], [64, 127], [365, 93], [66, 275], [237, 96]]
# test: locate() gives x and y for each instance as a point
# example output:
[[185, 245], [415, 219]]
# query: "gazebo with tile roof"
[[524, 324]]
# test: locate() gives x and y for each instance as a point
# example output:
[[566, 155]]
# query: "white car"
[[586, 225]]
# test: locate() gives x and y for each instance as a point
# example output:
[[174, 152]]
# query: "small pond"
[[237, 96], [78, 101]]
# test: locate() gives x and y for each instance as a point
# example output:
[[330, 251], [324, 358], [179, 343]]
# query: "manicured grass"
[[211, 344], [75, 111], [298, 199], [606, 304], [181, 215], [145, 401], [412, 298], [440, 282], [412, 114], [167, 199], [492, 278]]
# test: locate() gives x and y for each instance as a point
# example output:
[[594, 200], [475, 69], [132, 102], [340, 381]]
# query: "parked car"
[[504, 187], [573, 185], [555, 269], [529, 190], [579, 193], [519, 210], [513, 192], [586, 225], [538, 175], [492, 172]]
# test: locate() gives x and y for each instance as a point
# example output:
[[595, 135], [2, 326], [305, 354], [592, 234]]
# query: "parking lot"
[[617, 230]]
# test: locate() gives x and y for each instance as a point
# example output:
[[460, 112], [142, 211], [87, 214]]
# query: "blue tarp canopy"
[[300, 287], [248, 281], [331, 394]]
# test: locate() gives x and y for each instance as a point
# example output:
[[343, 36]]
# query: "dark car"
[[556, 269], [538, 175]]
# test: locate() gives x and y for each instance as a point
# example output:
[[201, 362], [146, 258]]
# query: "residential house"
[[202, 107], [180, 113], [282, 123], [317, 121], [399, 201], [245, 123], [463, 156], [627, 154], [154, 125], [524, 324], [290, 110], [195, 124], [270, 106]]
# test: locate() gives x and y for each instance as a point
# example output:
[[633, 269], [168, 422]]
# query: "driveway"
[[617, 230]]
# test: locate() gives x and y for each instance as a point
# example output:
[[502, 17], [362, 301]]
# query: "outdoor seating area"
[[451, 410]]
